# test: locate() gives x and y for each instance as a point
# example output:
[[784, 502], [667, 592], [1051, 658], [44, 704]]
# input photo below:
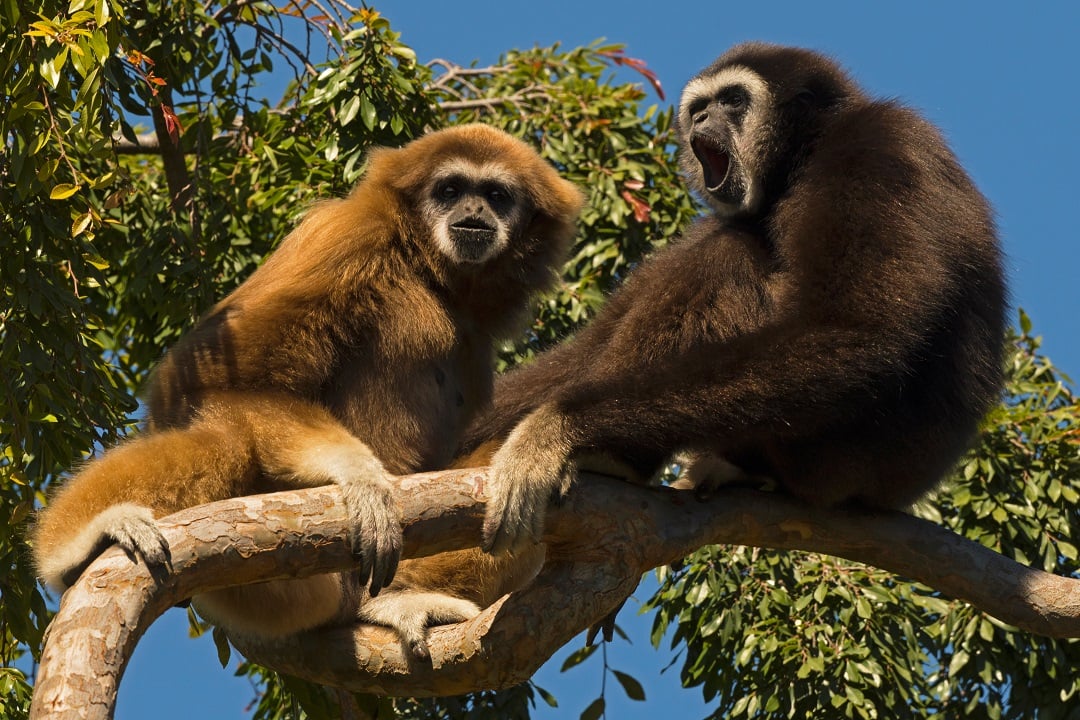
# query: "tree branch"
[[303, 532], [177, 177]]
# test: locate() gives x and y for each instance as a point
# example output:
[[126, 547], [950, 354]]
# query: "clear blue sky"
[[998, 78]]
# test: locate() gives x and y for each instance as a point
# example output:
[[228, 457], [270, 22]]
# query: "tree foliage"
[[145, 172]]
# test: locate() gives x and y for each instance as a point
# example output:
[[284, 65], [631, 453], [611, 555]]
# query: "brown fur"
[[359, 348], [836, 325]]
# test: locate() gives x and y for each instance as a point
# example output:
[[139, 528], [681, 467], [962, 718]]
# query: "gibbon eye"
[[734, 98], [498, 195], [448, 191], [697, 106]]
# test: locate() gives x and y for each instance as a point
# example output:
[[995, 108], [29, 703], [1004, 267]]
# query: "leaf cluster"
[[106, 259]]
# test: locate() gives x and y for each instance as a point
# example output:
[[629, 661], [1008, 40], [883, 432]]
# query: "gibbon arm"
[[756, 387]]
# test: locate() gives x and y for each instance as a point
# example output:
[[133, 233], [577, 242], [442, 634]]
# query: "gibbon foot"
[[128, 525], [705, 473], [410, 614]]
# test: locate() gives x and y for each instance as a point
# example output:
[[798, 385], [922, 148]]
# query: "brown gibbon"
[[360, 349]]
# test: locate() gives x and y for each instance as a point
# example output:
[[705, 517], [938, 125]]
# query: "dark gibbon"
[[360, 349], [836, 323]]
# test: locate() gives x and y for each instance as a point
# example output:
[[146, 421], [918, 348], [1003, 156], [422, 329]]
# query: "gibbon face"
[[745, 121], [718, 117], [474, 210], [476, 197]]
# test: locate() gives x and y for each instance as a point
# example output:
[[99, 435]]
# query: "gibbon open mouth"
[[715, 162]]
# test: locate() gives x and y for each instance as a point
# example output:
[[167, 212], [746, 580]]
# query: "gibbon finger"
[[387, 539], [380, 530]]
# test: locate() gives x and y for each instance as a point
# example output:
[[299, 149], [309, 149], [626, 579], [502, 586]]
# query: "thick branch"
[[302, 533]]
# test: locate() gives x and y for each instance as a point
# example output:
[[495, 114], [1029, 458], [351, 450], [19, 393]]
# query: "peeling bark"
[[303, 533]]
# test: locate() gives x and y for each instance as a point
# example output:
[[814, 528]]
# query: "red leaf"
[[619, 58], [172, 123], [641, 208], [137, 58]]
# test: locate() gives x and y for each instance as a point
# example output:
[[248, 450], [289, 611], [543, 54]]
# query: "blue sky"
[[998, 78]]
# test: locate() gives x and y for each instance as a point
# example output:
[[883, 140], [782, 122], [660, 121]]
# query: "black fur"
[[844, 337]]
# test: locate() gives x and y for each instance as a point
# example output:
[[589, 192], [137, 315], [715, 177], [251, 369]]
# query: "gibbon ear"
[[390, 168], [563, 200]]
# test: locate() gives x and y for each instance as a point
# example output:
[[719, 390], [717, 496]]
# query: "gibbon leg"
[[238, 445], [115, 498]]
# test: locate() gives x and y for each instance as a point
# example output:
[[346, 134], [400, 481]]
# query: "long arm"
[[525, 388], [769, 384], [708, 285]]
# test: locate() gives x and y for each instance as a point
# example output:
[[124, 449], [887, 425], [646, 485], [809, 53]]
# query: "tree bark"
[[303, 533], [177, 176]]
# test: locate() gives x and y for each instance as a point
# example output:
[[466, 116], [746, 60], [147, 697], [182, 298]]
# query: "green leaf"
[[51, 68], [578, 656], [630, 685], [405, 53], [79, 225], [224, 651], [63, 191], [1025, 322], [97, 261], [102, 12], [367, 112], [862, 607], [547, 697], [959, 660], [349, 110], [594, 711]]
